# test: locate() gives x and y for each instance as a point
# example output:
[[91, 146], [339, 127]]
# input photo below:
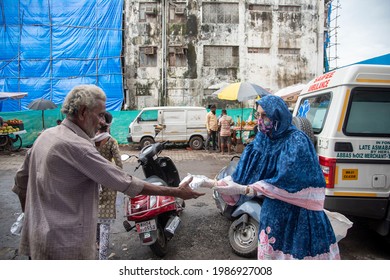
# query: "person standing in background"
[[108, 147], [225, 122], [212, 127]]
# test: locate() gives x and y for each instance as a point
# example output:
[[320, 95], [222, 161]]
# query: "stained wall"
[[179, 52]]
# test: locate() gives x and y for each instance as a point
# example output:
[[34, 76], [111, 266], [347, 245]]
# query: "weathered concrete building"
[[178, 52]]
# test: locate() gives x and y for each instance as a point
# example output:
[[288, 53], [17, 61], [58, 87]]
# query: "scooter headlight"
[[152, 201]]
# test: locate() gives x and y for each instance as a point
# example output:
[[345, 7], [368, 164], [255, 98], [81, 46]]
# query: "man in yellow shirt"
[[212, 127]]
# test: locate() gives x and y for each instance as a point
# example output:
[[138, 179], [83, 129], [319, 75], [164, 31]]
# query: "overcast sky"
[[364, 30]]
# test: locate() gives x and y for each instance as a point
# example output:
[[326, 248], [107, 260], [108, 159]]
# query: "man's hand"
[[185, 191], [231, 188]]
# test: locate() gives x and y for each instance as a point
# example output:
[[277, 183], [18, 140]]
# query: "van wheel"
[[196, 143], [304, 125], [146, 141]]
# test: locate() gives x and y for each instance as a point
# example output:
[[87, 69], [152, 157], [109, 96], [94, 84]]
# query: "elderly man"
[[58, 182]]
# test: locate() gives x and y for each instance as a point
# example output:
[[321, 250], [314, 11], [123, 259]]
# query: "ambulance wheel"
[[304, 125]]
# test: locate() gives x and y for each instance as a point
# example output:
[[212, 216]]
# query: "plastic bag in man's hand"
[[199, 181], [16, 227]]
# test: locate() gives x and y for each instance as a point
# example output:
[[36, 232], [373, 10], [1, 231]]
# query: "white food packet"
[[199, 181]]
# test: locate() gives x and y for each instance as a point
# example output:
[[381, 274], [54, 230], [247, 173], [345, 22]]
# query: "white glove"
[[232, 188]]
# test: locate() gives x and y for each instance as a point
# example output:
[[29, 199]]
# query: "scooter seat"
[[155, 181]]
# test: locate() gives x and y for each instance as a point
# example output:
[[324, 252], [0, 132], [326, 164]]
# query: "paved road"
[[203, 234]]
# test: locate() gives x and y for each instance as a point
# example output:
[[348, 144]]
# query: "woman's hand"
[[231, 188]]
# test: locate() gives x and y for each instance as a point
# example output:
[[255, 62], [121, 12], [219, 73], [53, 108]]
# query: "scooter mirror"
[[125, 157]]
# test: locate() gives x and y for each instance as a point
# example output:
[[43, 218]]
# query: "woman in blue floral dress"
[[282, 164]]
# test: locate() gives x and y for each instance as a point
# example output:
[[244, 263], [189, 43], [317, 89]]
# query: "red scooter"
[[156, 218]]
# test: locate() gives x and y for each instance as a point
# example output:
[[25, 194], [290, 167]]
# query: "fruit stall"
[[9, 135], [241, 134], [243, 129]]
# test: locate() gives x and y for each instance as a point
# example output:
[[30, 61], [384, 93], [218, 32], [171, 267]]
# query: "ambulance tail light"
[[328, 166]]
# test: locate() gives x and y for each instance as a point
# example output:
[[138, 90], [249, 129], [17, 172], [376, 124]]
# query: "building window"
[[143, 29], [148, 56], [260, 8], [261, 16], [289, 51], [258, 50], [289, 9], [147, 10], [177, 56], [177, 13], [142, 90], [220, 13], [221, 56]]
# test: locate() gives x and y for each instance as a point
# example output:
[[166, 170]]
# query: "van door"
[[146, 124], [196, 122], [174, 125]]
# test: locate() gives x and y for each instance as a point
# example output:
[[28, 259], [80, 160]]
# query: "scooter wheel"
[[160, 247], [243, 238]]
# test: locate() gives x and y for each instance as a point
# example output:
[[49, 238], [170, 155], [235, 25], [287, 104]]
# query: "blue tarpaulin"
[[47, 47]]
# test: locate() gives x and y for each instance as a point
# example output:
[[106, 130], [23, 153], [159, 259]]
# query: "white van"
[[349, 110], [173, 124]]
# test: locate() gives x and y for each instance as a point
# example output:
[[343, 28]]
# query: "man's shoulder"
[[227, 118], [63, 138]]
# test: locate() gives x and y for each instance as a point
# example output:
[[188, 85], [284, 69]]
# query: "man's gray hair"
[[82, 95]]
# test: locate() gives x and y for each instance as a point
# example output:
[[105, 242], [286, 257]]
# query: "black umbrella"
[[42, 104]]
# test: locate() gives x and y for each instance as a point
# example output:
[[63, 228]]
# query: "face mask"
[[264, 125]]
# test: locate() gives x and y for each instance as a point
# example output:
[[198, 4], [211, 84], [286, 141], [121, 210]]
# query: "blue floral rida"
[[283, 165]]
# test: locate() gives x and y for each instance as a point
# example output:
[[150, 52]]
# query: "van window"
[[149, 115], [315, 109], [368, 113]]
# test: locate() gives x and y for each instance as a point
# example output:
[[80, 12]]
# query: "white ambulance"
[[349, 110]]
